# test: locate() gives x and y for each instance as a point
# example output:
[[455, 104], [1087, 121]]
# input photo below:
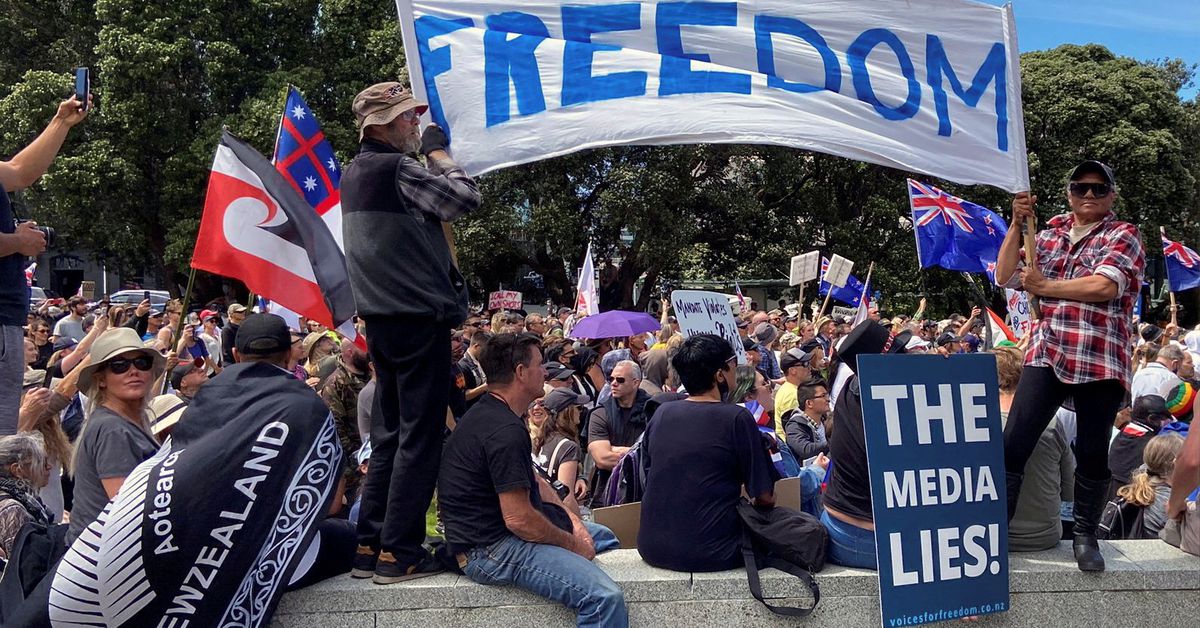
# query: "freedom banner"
[[936, 459], [930, 86]]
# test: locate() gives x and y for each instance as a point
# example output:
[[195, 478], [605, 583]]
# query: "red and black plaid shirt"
[[1087, 342]]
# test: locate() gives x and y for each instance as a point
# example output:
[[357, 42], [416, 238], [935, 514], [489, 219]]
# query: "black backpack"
[[1122, 520], [36, 551], [783, 539]]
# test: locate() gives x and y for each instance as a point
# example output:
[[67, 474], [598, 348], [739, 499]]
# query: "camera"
[[51, 237]]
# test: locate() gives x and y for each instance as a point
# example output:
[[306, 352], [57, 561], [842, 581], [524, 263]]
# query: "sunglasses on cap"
[[119, 365], [1098, 190]]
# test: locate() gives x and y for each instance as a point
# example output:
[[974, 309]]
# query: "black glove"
[[434, 138]]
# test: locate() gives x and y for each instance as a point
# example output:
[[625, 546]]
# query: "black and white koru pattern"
[[101, 580], [302, 505]]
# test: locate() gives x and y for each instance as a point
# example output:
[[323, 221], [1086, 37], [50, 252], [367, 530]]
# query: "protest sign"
[[930, 86], [1018, 312], [936, 460], [847, 313], [804, 268], [838, 272], [504, 300], [701, 312]]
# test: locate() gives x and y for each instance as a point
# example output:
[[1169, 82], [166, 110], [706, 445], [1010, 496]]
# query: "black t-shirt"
[[699, 456], [849, 488], [487, 454], [14, 290]]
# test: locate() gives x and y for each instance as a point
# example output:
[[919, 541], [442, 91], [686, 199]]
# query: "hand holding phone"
[[83, 88]]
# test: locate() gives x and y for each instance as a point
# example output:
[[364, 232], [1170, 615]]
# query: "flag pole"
[[1174, 317], [826, 303]]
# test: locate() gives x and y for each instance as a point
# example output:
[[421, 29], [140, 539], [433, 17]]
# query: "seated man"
[[848, 515], [805, 428], [616, 424], [505, 524], [238, 493], [698, 454]]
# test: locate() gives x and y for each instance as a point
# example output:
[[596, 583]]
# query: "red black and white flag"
[[258, 229]]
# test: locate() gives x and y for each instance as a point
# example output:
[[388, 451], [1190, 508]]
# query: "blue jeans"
[[849, 546], [555, 573]]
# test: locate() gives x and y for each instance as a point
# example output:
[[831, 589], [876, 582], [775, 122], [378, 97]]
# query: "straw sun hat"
[[111, 344]]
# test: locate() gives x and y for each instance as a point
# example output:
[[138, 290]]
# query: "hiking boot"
[[388, 571], [364, 562]]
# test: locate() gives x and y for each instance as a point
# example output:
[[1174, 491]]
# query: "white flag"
[[587, 300]]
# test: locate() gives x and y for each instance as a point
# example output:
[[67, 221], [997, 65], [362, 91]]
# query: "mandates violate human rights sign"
[[936, 460], [930, 86]]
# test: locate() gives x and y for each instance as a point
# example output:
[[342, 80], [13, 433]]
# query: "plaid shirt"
[[443, 189], [1087, 342]]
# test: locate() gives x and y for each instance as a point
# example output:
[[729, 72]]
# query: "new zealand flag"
[[306, 160], [953, 233], [850, 294], [1183, 265]]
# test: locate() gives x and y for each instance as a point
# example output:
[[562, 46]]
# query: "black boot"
[[1012, 482], [1089, 503]]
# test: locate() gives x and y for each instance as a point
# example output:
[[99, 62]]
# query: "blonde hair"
[[1009, 361], [1159, 457]]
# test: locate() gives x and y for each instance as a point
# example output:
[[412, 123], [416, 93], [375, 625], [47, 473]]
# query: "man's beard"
[[410, 144]]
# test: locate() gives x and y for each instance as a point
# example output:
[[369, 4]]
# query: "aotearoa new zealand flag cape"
[[208, 531]]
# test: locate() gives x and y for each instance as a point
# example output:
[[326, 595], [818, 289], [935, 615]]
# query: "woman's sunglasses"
[[1098, 190], [120, 365]]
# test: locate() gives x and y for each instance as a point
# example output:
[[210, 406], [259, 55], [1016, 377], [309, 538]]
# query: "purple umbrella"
[[614, 324]]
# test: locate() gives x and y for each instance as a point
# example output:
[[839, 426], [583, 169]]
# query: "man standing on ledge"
[[410, 294], [1088, 272]]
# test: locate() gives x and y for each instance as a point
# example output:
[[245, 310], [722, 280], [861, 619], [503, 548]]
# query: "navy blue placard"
[[936, 456]]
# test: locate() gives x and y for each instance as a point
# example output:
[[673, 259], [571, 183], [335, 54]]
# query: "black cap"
[[1149, 407], [794, 357], [1093, 167], [947, 338], [263, 334], [64, 342], [557, 370], [178, 373], [1149, 333], [867, 338]]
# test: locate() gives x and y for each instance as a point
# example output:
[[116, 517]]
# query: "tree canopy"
[[130, 183]]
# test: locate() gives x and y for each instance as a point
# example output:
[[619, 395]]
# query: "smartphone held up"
[[83, 87]]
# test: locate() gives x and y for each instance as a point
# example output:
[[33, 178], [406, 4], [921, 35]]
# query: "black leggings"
[[1039, 395]]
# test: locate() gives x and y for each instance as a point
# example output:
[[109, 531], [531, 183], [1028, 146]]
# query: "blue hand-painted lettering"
[[435, 62], [579, 23], [676, 75], [856, 56], [993, 69], [506, 59]]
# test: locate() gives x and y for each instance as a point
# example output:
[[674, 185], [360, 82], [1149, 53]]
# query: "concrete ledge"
[[1147, 583]]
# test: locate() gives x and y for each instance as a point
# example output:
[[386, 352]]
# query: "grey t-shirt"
[[69, 327], [1049, 480], [109, 447]]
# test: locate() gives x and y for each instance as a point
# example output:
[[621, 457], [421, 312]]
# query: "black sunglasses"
[[617, 380], [1098, 190], [120, 365]]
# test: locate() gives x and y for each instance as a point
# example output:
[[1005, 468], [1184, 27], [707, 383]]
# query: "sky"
[[1142, 29]]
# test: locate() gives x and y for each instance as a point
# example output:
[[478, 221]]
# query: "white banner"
[[930, 86], [700, 312], [504, 300]]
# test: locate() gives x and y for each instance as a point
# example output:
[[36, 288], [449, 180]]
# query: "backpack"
[[627, 482], [783, 539], [1122, 519], [36, 551]]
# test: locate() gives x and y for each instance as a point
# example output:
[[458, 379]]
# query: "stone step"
[[1146, 583]]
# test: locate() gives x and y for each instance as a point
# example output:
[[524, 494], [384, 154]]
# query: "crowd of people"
[[522, 430]]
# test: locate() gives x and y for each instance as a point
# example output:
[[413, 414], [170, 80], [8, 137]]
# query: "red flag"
[[256, 228]]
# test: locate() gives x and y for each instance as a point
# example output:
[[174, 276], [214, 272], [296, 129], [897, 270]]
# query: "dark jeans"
[[411, 356], [1039, 395]]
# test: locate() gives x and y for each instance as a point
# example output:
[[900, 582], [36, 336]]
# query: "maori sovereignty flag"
[[258, 229], [304, 157], [209, 530]]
